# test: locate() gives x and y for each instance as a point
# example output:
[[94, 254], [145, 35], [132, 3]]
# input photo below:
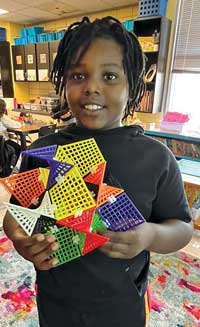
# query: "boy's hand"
[[126, 245], [36, 248]]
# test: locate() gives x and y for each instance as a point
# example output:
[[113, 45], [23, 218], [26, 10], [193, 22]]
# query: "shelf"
[[186, 157], [188, 137], [150, 52], [36, 112]]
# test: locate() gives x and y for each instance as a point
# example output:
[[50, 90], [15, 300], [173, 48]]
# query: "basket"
[[172, 126], [35, 30], [152, 8]]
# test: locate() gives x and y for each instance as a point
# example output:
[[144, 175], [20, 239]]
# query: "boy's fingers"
[[40, 246], [37, 239], [42, 256], [47, 264]]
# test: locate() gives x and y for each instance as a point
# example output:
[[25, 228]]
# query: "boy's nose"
[[92, 86]]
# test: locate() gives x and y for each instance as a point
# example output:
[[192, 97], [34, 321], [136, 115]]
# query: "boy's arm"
[[36, 248], [166, 237]]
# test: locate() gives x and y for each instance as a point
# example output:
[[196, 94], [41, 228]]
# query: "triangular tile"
[[121, 214], [46, 153], [25, 187], [46, 208], [57, 170], [84, 154], [92, 242], [80, 223], [107, 193], [70, 244], [97, 175], [26, 218], [97, 222]]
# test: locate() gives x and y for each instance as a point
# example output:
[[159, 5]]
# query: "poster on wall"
[[19, 74], [18, 60], [31, 75], [30, 59], [43, 58], [43, 75]]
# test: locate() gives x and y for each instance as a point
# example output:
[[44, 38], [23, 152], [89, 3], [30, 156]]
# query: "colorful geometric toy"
[[45, 153], [84, 154], [25, 217], [70, 195], [120, 214], [57, 170], [25, 187], [71, 199], [80, 222], [96, 175]]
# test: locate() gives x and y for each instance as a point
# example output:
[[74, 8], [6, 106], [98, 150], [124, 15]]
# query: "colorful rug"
[[175, 287]]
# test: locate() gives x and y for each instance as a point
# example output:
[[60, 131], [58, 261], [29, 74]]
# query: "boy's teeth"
[[92, 107]]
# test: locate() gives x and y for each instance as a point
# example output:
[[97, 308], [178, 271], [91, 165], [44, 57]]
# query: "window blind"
[[187, 51]]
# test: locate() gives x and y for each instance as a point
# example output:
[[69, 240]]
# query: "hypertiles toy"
[[69, 199]]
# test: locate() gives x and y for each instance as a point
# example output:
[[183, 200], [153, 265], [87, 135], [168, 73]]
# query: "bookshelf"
[[153, 34], [182, 145]]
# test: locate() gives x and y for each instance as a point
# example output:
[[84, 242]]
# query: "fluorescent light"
[[3, 11]]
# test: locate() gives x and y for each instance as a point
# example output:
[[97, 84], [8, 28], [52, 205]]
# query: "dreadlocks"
[[77, 40]]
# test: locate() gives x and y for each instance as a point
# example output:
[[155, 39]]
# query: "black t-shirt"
[[149, 174]]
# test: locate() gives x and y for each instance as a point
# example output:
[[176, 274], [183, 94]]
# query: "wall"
[[26, 91]]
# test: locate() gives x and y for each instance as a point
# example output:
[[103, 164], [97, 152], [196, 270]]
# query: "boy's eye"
[[77, 76], [110, 76]]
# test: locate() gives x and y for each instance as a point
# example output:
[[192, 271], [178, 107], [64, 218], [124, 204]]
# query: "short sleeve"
[[170, 201]]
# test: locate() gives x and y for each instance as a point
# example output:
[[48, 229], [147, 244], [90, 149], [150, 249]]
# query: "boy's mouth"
[[92, 107]]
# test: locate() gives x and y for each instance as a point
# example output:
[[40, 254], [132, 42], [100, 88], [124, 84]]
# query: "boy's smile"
[[97, 86]]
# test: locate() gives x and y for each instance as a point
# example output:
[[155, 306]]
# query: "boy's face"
[[97, 87]]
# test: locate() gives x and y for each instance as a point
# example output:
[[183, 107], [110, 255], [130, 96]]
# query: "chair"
[[46, 130]]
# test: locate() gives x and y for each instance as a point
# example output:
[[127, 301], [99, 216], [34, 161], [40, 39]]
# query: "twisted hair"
[[77, 40]]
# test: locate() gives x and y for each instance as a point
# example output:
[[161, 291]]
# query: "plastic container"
[[152, 8], [23, 32], [59, 35], [42, 37], [32, 39], [20, 40], [34, 30], [171, 126], [51, 36]]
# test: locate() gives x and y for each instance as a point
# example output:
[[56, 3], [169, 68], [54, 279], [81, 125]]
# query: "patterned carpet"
[[175, 285]]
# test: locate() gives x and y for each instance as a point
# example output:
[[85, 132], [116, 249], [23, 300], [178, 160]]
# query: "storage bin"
[[152, 8], [2, 34], [34, 30], [23, 32], [32, 39], [20, 40], [129, 25], [42, 37], [51, 36], [59, 35], [172, 126]]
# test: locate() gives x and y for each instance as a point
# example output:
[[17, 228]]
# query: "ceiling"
[[36, 11]]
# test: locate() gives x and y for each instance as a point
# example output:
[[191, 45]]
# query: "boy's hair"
[[2, 106], [82, 34]]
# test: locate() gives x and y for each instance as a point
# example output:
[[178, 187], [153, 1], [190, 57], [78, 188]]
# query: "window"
[[184, 93]]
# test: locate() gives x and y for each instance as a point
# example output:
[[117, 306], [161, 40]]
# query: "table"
[[30, 129]]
